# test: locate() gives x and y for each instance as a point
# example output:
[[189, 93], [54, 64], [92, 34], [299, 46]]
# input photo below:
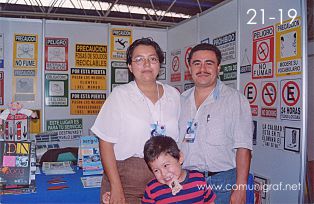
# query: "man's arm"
[[243, 161], [110, 167]]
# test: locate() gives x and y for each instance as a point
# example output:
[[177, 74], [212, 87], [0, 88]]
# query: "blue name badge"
[[157, 130], [190, 132]]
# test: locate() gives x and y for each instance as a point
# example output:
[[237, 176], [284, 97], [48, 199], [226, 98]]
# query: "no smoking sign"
[[269, 96], [269, 93], [263, 53], [175, 72]]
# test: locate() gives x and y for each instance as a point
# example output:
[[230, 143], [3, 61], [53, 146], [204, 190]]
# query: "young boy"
[[172, 183]]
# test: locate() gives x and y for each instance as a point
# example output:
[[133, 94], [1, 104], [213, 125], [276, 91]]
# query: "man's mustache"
[[200, 73]]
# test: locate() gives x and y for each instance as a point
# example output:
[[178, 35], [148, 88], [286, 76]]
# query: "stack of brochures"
[[53, 168], [89, 155], [91, 181]]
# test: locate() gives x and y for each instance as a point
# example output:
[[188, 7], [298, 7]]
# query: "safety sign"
[[175, 71], [250, 91], [273, 135], [56, 89], [269, 96], [187, 74], [228, 72], [292, 139], [288, 48], [263, 53], [120, 39], [227, 46], [25, 51], [120, 73], [175, 63], [56, 54], [91, 55], [290, 104]]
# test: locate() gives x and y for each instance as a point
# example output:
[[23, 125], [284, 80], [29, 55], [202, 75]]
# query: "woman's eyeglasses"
[[141, 59]]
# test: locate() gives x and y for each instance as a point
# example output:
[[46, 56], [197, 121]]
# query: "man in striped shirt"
[[172, 183]]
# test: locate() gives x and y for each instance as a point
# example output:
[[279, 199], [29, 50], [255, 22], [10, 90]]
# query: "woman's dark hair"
[[205, 46], [158, 145], [147, 42]]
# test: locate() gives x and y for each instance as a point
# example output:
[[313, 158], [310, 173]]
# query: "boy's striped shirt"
[[195, 190]]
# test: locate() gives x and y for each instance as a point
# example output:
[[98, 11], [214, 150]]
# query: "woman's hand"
[[117, 195]]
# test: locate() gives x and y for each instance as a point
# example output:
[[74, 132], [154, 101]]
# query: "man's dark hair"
[[147, 42], [158, 145], [205, 46]]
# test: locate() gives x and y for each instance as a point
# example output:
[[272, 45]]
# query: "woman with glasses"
[[132, 114]]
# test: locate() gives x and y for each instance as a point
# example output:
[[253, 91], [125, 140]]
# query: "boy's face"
[[167, 169]]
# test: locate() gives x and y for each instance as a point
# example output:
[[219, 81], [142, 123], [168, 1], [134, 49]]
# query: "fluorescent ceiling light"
[[94, 5]]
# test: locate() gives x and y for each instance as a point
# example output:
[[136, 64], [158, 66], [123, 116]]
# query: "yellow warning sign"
[[120, 41], [88, 79], [25, 51], [87, 55], [86, 103], [288, 48]]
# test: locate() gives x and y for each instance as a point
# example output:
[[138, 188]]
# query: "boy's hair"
[[205, 46], [147, 42], [158, 145]]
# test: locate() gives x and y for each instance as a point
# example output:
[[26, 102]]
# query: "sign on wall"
[[89, 55], [227, 46], [120, 39], [175, 72], [290, 104], [250, 91], [288, 48], [263, 53], [269, 99], [187, 74], [24, 84], [119, 74], [86, 103], [88, 79], [56, 54], [56, 89], [67, 129], [25, 51]]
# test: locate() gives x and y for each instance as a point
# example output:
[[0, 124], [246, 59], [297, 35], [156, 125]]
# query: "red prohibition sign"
[[187, 53], [262, 51], [246, 92], [272, 95], [175, 63], [293, 97]]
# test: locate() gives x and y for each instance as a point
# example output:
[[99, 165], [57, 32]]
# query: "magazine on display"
[[89, 155], [15, 163], [17, 176]]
